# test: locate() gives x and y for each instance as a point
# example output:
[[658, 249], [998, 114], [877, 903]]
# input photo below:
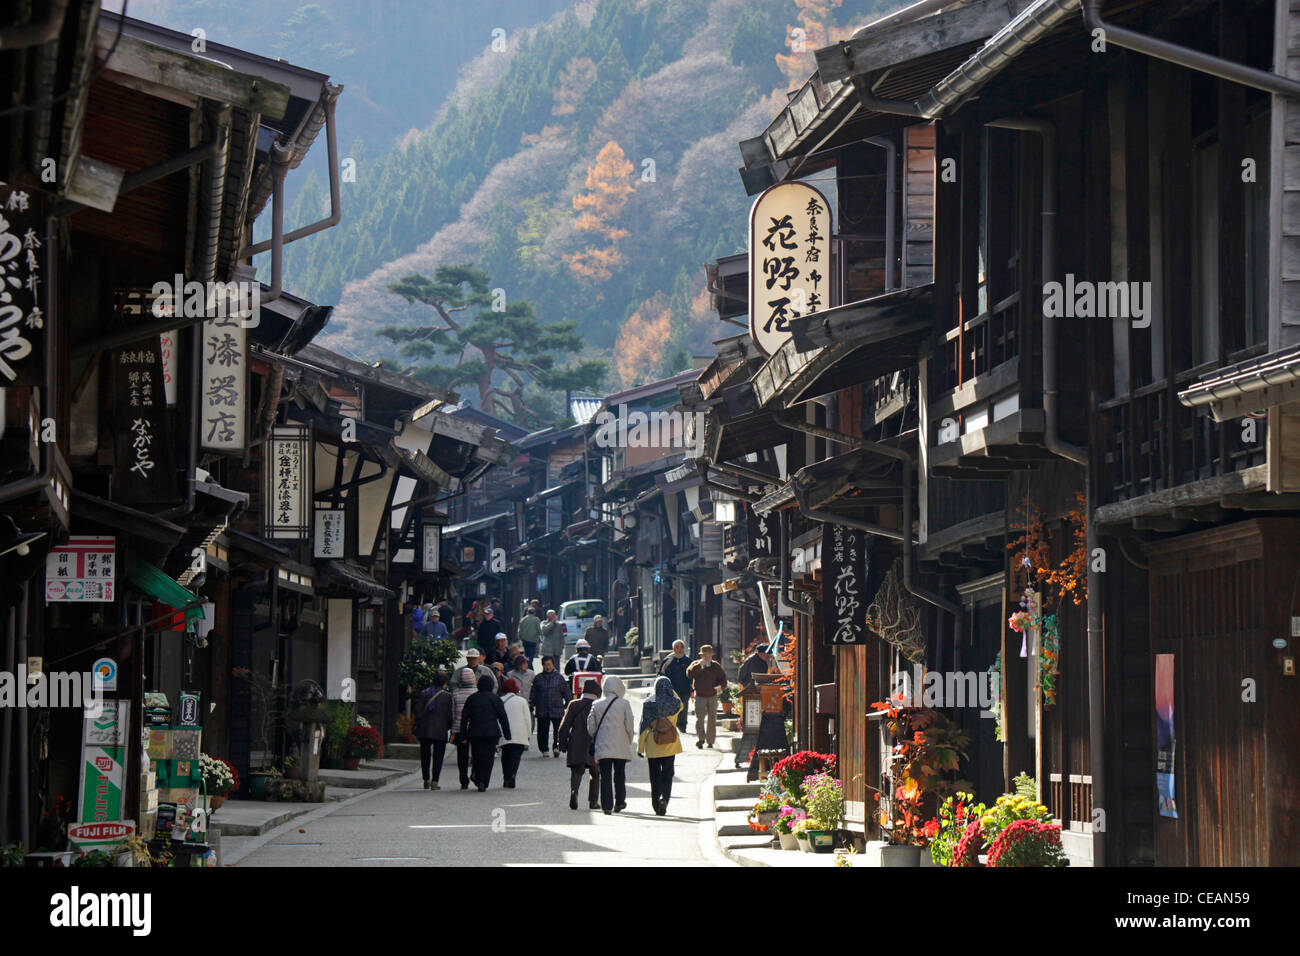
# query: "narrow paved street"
[[405, 825]]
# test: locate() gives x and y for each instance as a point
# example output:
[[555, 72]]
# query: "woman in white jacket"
[[521, 725], [613, 732]]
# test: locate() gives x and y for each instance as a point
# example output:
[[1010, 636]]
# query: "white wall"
[[338, 645]]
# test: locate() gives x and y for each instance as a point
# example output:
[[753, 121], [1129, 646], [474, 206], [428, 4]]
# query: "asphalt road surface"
[[531, 825]]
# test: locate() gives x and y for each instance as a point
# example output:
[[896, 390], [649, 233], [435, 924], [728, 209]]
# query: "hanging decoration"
[[896, 618], [995, 682]]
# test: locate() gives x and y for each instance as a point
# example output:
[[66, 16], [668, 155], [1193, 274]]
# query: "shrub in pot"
[[784, 823], [363, 743]]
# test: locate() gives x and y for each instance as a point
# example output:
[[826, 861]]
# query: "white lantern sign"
[[789, 260]]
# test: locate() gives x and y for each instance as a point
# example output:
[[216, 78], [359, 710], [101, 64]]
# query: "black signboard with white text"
[[143, 472], [761, 532], [22, 288], [846, 592]]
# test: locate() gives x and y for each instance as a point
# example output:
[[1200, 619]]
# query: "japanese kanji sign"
[[845, 591], [329, 533], [225, 385], [762, 534], [81, 570], [431, 559], [143, 443], [789, 260], [22, 257], [287, 472]]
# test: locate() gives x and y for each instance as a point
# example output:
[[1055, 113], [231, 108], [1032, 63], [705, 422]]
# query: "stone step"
[[737, 791], [368, 777], [401, 750], [255, 817]]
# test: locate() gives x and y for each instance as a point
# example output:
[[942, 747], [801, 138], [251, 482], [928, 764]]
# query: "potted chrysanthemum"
[[219, 778]]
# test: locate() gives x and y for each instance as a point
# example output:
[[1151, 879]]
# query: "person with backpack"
[[432, 727], [611, 727], [660, 741], [574, 739], [674, 668]]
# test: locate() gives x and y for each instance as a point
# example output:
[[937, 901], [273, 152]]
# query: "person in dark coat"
[[488, 629], [756, 663], [432, 727], [674, 668], [549, 694], [582, 660], [575, 740], [597, 636], [483, 722]]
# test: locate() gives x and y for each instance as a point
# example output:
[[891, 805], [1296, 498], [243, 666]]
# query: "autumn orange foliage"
[[1069, 577], [639, 350], [609, 187], [812, 32]]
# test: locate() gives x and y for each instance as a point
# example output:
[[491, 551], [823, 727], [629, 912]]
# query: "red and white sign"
[[108, 830], [81, 570]]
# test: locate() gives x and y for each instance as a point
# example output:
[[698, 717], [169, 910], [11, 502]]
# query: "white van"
[[577, 617]]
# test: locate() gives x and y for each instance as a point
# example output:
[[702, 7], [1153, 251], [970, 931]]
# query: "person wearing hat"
[[597, 636], [488, 628], [613, 737], [575, 740], [706, 676], [521, 730], [500, 652], [553, 637], [434, 629], [660, 741], [474, 661], [582, 660], [483, 722]]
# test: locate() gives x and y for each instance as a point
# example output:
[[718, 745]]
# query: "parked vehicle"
[[577, 617]]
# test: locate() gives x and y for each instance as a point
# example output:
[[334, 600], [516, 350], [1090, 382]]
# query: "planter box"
[[821, 841], [788, 841]]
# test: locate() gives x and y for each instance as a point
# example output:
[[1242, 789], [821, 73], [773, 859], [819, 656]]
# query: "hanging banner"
[[845, 590], [224, 394], [81, 570], [1165, 737], [22, 262], [328, 539], [143, 442], [287, 470], [789, 260], [761, 532]]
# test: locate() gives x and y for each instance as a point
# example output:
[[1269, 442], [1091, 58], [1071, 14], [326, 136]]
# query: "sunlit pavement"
[[531, 825]]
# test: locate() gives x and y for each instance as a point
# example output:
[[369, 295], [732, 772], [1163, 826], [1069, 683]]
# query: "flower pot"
[[927, 859], [293, 773], [899, 855], [215, 802], [821, 841], [351, 763], [727, 706], [788, 841], [802, 840], [257, 785]]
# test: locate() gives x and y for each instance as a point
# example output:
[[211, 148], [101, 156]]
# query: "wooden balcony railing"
[[1069, 798], [980, 345]]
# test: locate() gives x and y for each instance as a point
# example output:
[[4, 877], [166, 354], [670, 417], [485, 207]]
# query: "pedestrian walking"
[[597, 636], [759, 662], [434, 628], [530, 633], [523, 675], [660, 742], [674, 667], [706, 676], [466, 687], [575, 740], [612, 733], [474, 661], [520, 722], [500, 652], [487, 629], [483, 722], [582, 660], [553, 638], [549, 694], [432, 728]]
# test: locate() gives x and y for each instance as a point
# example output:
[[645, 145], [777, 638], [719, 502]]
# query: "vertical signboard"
[[103, 753], [845, 593], [1165, 737], [224, 395], [328, 540], [760, 530], [143, 445], [287, 471], [432, 549], [789, 261], [22, 258]]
